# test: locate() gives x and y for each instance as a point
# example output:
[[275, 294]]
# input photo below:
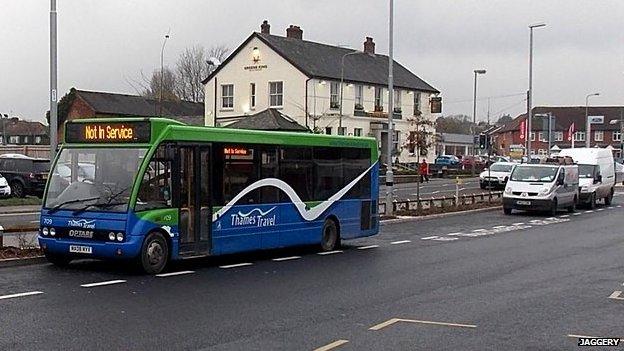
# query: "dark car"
[[25, 175]]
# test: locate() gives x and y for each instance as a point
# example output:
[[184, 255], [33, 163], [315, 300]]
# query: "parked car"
[[5, 189], [448, 160], [25, 175], [468, 160], [596, 174], [496, 175]]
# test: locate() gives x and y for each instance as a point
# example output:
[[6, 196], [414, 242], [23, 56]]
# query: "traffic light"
[[483, 141]]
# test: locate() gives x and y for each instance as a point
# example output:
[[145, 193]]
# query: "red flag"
[[523, 129], [571, 131]]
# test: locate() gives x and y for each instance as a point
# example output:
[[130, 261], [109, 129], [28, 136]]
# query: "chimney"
[[294, 32], [369, 46], [265, 27]]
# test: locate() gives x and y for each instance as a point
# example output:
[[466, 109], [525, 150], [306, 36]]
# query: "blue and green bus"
[[153, 190]]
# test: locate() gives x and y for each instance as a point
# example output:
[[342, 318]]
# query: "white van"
[[596, 174], [542, 187]]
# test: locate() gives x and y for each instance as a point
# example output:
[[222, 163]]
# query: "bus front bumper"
[[130, 248]]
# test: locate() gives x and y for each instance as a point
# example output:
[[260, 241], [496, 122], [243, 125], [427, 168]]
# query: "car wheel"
[[329, 237], [154, 254], [17, 189], [58, 260], [609, 199], [507, 211]]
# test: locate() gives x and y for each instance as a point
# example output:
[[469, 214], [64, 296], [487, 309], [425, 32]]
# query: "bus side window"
[[155, 190]]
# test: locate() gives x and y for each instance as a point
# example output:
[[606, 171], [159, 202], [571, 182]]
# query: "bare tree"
[[169, 84], [192, 67]]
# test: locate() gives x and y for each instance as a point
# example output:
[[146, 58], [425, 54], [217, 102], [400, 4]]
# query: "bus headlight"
[[111, 236], [44, 231], [52, 232], [120, 237]]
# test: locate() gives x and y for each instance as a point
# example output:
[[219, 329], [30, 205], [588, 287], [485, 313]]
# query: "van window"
[[587, 171], [534, 174]]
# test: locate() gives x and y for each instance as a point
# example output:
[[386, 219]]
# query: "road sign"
[[596, 119]]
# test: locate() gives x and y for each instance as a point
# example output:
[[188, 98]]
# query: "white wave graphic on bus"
[[307, 214]]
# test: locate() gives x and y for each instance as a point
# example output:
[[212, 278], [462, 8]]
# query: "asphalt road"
[[483, 281]]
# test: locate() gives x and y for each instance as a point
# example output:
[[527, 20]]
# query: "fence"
[[42, 151], [442, 202], [20, 238]]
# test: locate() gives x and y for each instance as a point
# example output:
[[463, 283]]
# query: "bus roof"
[[167, 129]]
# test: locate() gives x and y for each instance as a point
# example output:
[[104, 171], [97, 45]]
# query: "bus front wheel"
[[154, 253], [330, 239]]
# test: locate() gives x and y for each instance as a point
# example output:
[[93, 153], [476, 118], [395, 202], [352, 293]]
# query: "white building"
[[302, 79]]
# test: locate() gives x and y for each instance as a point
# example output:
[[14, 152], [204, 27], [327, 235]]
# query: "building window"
[[397, 101], [333, 95], [532, 136], [395, 141], [617, 135], [357, 132], [541, 136], [227, 96], [579, 136], [416, 103], [252, 96], [342, 130], [558, 136], [378, 99], [276, 94], [598, 135], [328, 130], [359, 97], [542, 152]]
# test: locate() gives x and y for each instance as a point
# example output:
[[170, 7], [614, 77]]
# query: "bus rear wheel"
[[154, 253], [329, 238]]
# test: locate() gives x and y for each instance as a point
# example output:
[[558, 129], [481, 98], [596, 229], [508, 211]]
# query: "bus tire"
[[154, 254], [330, 239], [58, 260]]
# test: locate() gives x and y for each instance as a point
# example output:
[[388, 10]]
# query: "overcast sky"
[[105, 44]]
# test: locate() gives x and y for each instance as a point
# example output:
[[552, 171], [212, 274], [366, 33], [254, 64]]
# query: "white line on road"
[[289, 258], [367, 247], [171, 274], [590, 211], [585, 336], [400, 242], [576, 214], [610, 207], [519, 223], [110, 282], [550, 218], [616, 295], [30, 293], [600, 209], [479, 230], [425, 238], [18, 214], [435, 192], [455, 233], [329, 252], [499, 226], [619, 206], [332, 345], [564, 216], [236, 265], [445, 239], [396, 320], [37, 221]]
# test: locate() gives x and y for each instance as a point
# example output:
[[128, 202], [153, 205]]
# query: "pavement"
[[481, 282]]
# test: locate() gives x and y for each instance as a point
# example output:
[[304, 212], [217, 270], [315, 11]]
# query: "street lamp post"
[[4, 134], [389, 174], [342, 81], [587, 124], [474, 119], [53, 82], [162, 51], [621, 122], [530, 95]]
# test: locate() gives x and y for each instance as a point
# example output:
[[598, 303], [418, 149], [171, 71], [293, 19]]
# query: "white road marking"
[[396, 320], [519, 223], [109, 282], [616, 295], [280, 259], [426, 238], [400, 242], [551, 218], [30, 293], [329, 252], [455, 233], [171, 274], [332, 345], [444, 239], [610, 207], [37, 221], [499, 226], [576, 214], [589, 211], [479, 230], [586, 336], [367, 247], [619, 206], [564, 216], [236, 265], [600, 209]]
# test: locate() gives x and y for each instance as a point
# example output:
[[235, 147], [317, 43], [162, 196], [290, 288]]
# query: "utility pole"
[[162, 51], [53, 79], [530, 94], [389, 174]]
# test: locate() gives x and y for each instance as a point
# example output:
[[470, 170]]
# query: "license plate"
[[44, 176], [523, 202], [80, 249]]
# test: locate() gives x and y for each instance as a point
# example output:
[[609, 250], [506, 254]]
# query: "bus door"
[[194, 199]]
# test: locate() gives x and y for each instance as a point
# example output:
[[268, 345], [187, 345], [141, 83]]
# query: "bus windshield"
[[534, 174], [98, 179]]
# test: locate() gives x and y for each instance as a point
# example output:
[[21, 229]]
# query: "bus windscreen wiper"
[[97, 204], [58, 207]]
